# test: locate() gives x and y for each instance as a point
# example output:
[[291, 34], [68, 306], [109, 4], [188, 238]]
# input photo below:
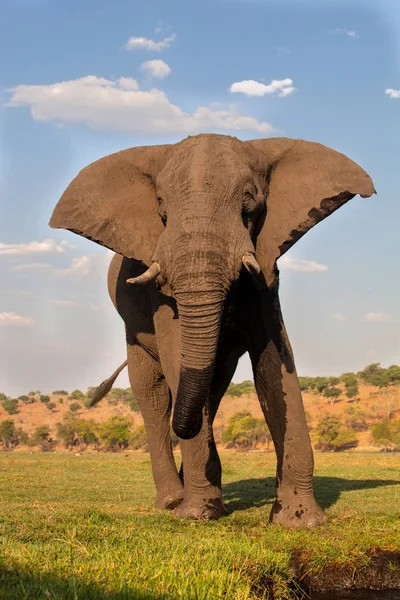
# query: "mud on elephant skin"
[[197, 228]]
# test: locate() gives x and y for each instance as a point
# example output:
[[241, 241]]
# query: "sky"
[[84, 79]]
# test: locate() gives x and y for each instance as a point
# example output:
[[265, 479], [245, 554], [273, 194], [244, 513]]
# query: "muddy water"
[[357, 595]]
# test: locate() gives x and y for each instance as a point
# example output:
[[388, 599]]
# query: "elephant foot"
[[296, 512], [199, 508], [169, 500]]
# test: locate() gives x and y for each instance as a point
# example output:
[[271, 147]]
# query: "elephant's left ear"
[[113, 202], [306, 183]]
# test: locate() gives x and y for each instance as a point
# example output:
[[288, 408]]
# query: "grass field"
[[84, 527]]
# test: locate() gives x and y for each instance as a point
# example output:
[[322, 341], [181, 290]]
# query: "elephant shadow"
[[255, 493]]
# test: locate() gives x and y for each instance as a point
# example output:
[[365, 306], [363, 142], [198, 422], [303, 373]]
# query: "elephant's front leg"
[[152, 393], [280, 398], [200, 461]]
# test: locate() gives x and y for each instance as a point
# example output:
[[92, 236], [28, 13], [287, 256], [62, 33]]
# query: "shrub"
[[3, 397], [240, 389], [75, 406], [41, 437], [331, 435], [10, 405], [244, 430], [77, 395], [115, 432], [387, 433], [9, 435], [24, 399], [44, 398], [60, 393], [61, 401], [77, 432], [332, 393], [355, 418], [51, 405]]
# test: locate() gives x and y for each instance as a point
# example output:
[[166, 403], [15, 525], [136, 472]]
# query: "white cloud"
[[109, 105], [344, 31], [339, 317], [66, 303], [87, 264], [395, 94], [30, 266], [12, 319], [378, 317], [142, 43], [156, 68], [283, 87], [48, 245], [127, 83], [287, 263]]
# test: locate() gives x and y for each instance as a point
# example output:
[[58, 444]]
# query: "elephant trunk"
[[200, 318]]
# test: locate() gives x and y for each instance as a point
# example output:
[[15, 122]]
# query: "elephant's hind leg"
[[153, 396], [280, 398]]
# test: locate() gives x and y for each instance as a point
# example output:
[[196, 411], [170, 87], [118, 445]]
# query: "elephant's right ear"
[[113, 202]]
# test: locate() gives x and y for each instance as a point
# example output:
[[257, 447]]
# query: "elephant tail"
[[106, 385]]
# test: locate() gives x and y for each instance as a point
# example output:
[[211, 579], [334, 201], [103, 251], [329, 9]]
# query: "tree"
[[3, 397], [60, 393], [44, 398], [355, 418], [332, 393], [75, 406], [41, 437], [115, 432], [244, 430], [138, 438], [381, 433], [7, 433], [331, 435], [352, 391], [77, 432], [25, 399], [241, 389], [51, 406], [394, 374], [10, 405], [319, 384], [334, 381], [77, 395]]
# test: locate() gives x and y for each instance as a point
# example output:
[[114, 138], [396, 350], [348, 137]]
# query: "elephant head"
[[195, 213]]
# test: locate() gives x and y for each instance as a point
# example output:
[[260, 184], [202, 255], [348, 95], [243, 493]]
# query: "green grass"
[[84, 527]]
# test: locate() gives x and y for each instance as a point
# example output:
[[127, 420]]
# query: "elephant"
[[197, 228]]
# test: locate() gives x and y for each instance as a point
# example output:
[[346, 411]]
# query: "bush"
[[355, 418], [60, 393], [245, 430], [10, 405], [3, 397], [24, 399], [77, 395], [138, 438], [331, 435], [75, 406], [241, 389], [51, 405], [77, 432], [61, 401], [41, 437], [115, 432], [387, 433], [332, 393], [44, 398], [10, 437]]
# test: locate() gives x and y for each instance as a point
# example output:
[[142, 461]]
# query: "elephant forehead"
[[206, 160]]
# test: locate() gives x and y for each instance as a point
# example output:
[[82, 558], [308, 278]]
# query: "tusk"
[[149, 275], [251, 264]]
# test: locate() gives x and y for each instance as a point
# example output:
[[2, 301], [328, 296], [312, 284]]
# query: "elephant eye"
[[251, 203], [161, 210]]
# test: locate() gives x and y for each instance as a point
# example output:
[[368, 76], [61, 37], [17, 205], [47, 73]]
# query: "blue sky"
[[84, 79]]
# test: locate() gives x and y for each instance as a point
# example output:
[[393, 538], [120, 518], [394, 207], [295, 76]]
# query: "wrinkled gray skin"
[[196, 208]]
